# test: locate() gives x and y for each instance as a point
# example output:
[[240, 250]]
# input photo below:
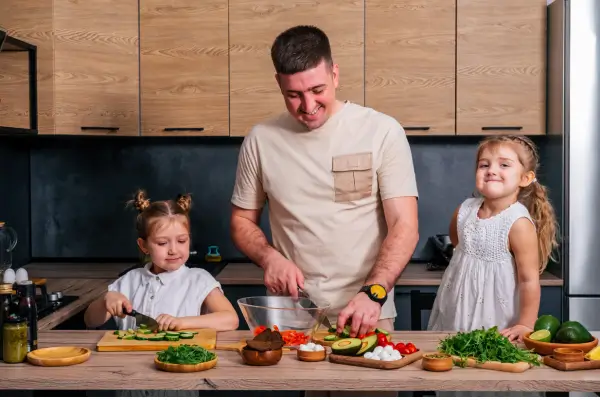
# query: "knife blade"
[[142, 319], [312, 304]]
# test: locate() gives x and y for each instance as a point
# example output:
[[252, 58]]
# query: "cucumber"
[[143, 326], [171, 333], [126, 337], [144, 331], [330, 338], [333, 328], [156, 338], [172, 338], [186, 335], [130, 330], [379, 330]]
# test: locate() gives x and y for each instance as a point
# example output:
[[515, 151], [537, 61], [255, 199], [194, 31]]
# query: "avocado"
[[330, 338], [572, 332], [346, 347], [368, 344], [379, 330], [547, 322]]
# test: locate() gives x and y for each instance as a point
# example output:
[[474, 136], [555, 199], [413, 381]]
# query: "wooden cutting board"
[[496, 365], [365, 362], [206, 338], [238, 346], [570, 366]]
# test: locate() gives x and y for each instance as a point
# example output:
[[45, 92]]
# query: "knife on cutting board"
[[312, 304], [142, 319]]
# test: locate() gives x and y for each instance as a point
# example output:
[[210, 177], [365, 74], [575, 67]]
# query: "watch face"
[[378, 291]]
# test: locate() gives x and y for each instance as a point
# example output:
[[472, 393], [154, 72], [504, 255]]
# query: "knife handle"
[[132, 313]]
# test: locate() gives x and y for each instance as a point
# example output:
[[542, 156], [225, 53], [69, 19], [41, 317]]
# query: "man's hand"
[[283, 276], [516, 332], [363, 312]]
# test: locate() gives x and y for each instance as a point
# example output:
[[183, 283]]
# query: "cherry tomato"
[[372, 333], [361, 337], [411, 347], [400, 347], [382, 340]]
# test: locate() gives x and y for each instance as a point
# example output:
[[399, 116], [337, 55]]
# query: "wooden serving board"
[[319, 338], [365, 362], [206, 338], [496, 365], [570, 366]]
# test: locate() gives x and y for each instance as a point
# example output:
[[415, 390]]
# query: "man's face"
[[310, 95]]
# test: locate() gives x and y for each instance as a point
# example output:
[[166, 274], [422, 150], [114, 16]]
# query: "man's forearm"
[[396, 250], [529, 299], [251, 240]]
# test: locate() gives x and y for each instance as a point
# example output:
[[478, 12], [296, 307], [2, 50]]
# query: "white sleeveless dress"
[[479, 287]]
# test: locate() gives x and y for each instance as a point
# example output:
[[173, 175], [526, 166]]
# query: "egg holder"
[[312, 355]]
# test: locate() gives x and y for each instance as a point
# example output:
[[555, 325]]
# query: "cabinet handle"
[[99, 128], [416, 128], [501, 128], [183, 129]]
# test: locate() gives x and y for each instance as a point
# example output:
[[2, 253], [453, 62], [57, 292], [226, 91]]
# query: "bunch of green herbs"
[[485, 345], [185, 354]]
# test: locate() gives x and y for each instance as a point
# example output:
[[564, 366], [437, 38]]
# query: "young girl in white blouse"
[[178, 297], [503, 241]]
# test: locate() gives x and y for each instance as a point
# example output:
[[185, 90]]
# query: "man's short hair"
[[300, 48]]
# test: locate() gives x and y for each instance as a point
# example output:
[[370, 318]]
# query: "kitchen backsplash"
[[79, 187]]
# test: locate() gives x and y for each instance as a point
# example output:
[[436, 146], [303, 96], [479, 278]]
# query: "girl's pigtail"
[[185, 202]]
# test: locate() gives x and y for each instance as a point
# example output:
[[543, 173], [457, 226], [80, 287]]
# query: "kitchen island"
[[135, 370]]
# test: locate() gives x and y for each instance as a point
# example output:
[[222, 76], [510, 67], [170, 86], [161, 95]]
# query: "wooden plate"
[[366, 362], [168, 367], [547, 349], [58, 356]]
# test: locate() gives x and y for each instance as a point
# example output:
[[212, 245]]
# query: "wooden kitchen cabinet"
[[410, 63], [31, 22], [96, 84], [184, 67], [501, 47], [254, 25]]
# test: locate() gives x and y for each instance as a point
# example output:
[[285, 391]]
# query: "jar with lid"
[[6, 292], [8, 241], [14, 339]]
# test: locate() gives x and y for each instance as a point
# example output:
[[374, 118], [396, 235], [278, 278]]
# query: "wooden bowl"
[[58, 356], [168, 367], [318, 355], [547, 349], [437, 362], [261, 358], [568, 355]]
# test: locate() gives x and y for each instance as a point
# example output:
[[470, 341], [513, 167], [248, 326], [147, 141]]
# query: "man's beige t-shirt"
[[324, 189]]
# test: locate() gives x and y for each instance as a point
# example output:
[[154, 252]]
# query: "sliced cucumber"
[[333, 328], [126, 337], [186, 335], [172, 333], [172, 338], [144, 331], [330, 338], [130, 330], [156, 338], [143, 326]]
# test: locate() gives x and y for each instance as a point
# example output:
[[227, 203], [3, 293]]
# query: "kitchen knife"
[[312, 304], [143, 319]]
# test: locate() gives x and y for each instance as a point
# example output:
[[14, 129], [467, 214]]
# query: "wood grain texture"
[[136, 370], [184, 67], [206, 338], [501, 63], [571, 366], [32, 22], [495, 365], [96, 66], [410, 63], [415, 274], [254, 25]]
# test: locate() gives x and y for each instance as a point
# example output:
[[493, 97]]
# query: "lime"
[[542, 335], [593, 354], [548, 322]]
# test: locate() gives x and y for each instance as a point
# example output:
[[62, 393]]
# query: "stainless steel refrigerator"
[[574, 114]]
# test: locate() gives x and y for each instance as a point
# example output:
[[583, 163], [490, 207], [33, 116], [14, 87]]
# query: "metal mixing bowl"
[[300, 314]]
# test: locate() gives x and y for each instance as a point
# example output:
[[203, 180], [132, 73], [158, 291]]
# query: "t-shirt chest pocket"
[[352, 176]]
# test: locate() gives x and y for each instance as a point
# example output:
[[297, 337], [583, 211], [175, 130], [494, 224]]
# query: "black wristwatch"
[[376, 292]]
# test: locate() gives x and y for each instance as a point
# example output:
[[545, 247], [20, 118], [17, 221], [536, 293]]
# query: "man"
[[341, 191]]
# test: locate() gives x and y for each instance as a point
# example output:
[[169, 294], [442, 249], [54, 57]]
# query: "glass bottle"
[[6, 292], [8, 241], [27, 309], [14, 339]]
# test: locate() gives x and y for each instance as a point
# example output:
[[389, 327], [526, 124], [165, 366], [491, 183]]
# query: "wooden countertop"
[[135, 371], [415, 274]]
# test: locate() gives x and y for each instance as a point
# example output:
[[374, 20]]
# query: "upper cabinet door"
[[184, 67], [254, 25], [501, 65], [96, 67], [410, 63]]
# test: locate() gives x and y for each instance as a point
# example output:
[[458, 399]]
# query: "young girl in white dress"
[[178, 297], [503, 241]]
